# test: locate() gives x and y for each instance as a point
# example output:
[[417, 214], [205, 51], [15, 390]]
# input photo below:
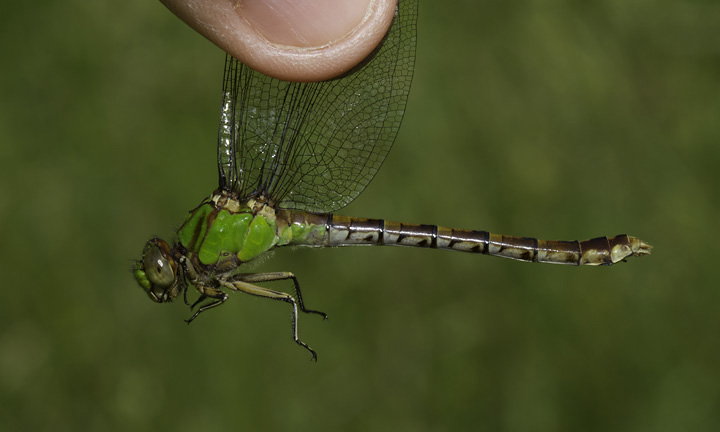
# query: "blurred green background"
[[558, 119]]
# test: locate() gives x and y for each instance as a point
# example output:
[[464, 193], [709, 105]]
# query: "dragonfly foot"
[[322, 314], [312, 351]]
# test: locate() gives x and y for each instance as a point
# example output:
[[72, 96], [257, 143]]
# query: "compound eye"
[[157, 268]]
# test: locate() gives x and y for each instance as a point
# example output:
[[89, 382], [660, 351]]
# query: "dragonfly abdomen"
[[349, 231]]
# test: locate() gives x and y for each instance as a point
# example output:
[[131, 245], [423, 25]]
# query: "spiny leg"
[[277, 276], [218, 296], [197, 302], [239, 285], [185, 290], [188, 271]]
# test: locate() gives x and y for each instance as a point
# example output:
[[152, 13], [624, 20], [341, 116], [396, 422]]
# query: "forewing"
[[315, 146]]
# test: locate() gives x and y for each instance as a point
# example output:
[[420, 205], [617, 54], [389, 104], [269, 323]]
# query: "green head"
[[157, 271]]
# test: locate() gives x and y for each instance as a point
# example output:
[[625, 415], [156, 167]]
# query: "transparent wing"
[[315, 146]]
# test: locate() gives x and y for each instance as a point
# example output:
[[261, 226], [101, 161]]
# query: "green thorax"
[[225, 232]]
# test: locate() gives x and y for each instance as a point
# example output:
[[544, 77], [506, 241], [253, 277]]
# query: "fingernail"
[[303, 24]]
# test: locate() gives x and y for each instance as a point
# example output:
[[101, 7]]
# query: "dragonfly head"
[[156, 272]]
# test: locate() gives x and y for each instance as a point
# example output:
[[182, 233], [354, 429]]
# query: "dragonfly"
[[289, 155]]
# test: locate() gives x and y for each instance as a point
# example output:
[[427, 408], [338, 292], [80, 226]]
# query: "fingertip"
[[313, 40]]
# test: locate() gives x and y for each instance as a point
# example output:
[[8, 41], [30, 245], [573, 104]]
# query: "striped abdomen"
[[335, 230]]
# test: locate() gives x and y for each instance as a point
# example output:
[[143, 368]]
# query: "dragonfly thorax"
[[225, 231], [260, 206], [257, 205]]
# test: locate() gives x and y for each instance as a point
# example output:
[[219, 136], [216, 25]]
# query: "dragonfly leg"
[[276, 276], [189, 271], [184, 284], [218, 297], [197, 302], [248, 288]]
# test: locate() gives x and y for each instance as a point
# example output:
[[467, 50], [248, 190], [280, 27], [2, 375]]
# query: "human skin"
[[292, 40]]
